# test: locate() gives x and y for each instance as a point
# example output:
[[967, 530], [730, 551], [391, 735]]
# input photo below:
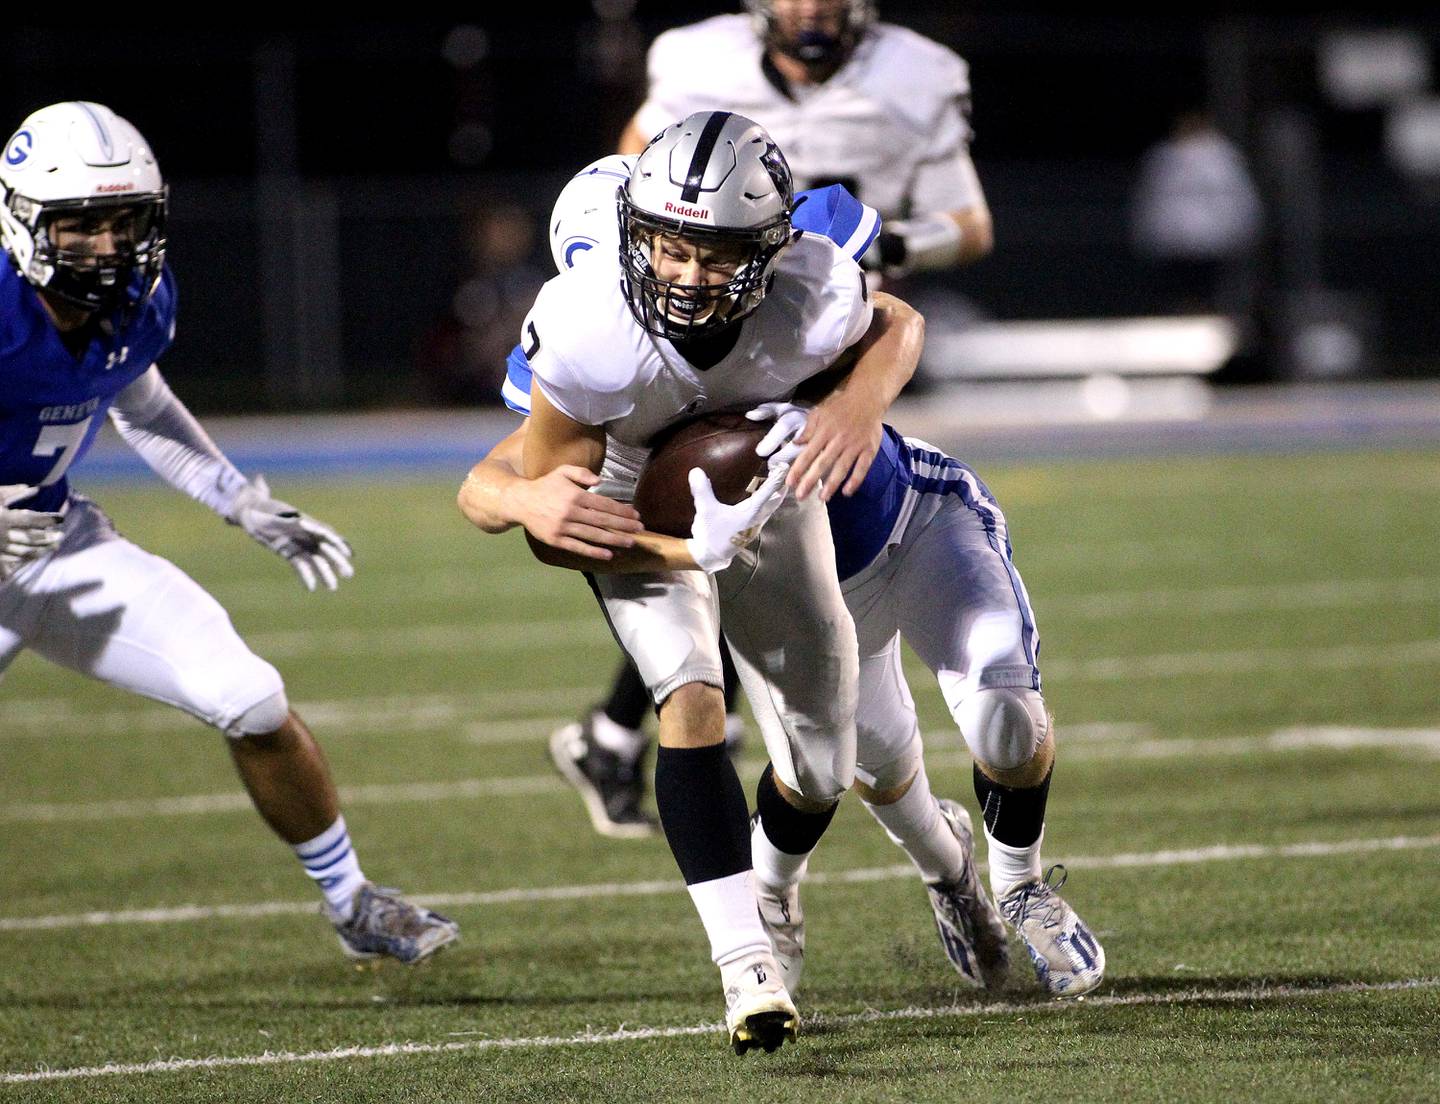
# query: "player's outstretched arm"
[[843, 432], [559, 509], [157, 425]]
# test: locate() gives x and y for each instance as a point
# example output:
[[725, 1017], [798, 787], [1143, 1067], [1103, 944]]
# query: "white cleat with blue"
[[971, 932], [1069, 960]]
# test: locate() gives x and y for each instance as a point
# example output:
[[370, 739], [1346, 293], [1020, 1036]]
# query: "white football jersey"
[[598, 365], [891, 124]]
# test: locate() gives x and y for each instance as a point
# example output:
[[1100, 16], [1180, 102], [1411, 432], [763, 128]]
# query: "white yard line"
[[474, 714], [477, 639], [1097, 743], [1324, 594], [592, 1038], [583, 892], [52, 717], [468, 639], [1345, 657], [236, 801]]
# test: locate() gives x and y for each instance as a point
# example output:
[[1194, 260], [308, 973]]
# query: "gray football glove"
[[25, 535], [315, 551]]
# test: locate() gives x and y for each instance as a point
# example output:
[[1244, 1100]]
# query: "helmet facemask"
[[63, 262], [817, 48], [718, 183], [82, 208], [679, 311]]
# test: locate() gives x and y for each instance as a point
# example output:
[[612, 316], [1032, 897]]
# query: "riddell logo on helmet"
[[126, 187], [686, 212]]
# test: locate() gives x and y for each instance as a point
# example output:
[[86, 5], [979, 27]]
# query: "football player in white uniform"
[[715, 303], [918, 517], [873, 106], [86, 307], [870, 105]]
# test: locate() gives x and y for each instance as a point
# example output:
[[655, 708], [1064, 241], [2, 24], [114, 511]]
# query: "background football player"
[[87, 306], [870, 105], [716, 304], [917, 517]]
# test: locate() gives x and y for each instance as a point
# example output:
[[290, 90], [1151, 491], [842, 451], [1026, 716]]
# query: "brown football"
[[722, 444]]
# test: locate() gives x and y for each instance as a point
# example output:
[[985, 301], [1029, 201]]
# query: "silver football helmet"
[[717, 181], [812, 45], [81, 162]]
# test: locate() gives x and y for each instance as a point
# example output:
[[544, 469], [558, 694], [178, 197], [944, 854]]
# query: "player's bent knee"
[[1003, 726], [261, 719], [894, 772]]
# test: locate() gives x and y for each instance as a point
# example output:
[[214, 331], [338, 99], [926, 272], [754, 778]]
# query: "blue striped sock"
[[330, 860]]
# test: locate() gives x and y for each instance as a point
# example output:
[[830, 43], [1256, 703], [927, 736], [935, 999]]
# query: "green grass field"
[[1243, 655]]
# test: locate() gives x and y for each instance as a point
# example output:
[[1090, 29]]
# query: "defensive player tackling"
[[922, 552]]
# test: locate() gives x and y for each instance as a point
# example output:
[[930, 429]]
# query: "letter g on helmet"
[[81, 159]]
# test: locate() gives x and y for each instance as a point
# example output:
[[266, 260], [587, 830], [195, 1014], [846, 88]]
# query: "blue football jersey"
[[51, 401], [860, 523]]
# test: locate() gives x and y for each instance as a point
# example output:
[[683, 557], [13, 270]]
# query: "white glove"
[[720, 530], [25, 535], [314, 550], [779, 443]]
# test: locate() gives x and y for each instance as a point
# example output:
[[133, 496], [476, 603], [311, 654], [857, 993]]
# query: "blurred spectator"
[[1195, 220], [461, 357]]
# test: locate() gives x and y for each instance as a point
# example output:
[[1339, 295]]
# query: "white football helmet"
[[583, 220], [81, 161], [814, 46], [715, 179]]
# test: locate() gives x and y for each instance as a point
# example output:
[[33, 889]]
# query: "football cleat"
[[758, 1011], [971, 932], [385, 925], [610, 785], [1068, 958]]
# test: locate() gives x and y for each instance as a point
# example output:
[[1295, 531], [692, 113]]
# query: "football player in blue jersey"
[[917, 519], [87, 307]]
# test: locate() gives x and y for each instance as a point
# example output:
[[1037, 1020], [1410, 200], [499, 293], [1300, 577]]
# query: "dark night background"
[[325, 180]]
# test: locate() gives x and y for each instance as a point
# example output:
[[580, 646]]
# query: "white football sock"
[[627, 743], [330, 860], [1009, 866], [916, 825], [773, 867], [732, 921]]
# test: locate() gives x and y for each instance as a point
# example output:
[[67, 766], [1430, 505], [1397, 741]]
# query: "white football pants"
[[106, 608], [789, 632]]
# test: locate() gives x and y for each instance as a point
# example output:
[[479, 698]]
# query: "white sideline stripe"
[[1098, 743], [635, 1034], [1216, 853]]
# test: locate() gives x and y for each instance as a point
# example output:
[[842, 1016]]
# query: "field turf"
[[1243, 655]]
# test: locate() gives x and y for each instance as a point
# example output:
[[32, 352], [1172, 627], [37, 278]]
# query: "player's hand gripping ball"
[[722, 445]]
